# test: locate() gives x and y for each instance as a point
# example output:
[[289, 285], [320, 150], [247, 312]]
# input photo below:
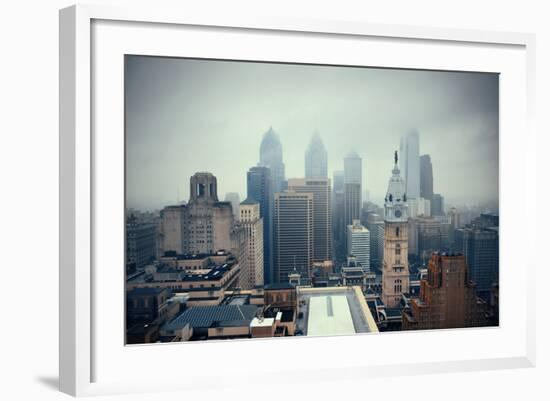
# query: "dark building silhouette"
[[426, 177], [140, 243], [259, 188]]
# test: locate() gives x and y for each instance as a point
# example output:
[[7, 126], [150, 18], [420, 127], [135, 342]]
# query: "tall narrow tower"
[[395, 273]]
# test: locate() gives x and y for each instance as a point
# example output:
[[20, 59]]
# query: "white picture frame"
[[80, 344]]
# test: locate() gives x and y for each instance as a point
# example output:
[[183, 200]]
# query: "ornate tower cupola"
[[395, 203]]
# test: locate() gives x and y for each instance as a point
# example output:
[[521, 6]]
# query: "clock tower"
[[395, 273]]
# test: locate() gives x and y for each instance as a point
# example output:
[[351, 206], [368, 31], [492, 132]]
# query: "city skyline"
[[190, 127]]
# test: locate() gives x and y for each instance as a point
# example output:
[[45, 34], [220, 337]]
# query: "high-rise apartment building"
[[316, 158], [338, 208], [410, 163], [447, 297], [359, 244], [271, 155], [322, 213], [259, 188], [293, 234], [252, 223], [395, 271]]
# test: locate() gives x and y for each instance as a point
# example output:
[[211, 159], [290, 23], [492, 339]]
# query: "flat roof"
[[329, 315]]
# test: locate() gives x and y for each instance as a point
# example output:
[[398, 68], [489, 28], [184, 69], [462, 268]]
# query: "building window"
[[398, 249], [397, 231], [397, 286]]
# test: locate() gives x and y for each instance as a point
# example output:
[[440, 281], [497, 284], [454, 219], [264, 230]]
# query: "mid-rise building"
[[322, 213], [438, 205], [203, 225], [427, 235], [140, 243], [293, 234], [252, 223], [447, 297], [359, 244], [316, 158], [395, 271]]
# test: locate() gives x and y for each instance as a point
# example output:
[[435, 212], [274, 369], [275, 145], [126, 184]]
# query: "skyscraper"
[[359, 244], [447, 297], [438, 205], [235, 200], [259, 188], [316, 158], [293, 234], [352, 190], [271, 155], [410, 163], [322, 213], [252, 223], [426, 177], [395, 272]]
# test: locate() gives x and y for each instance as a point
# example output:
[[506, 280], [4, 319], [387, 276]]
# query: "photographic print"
[[272, 200]]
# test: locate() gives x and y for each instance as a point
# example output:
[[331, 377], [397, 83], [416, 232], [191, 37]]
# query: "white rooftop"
[[329, 315]]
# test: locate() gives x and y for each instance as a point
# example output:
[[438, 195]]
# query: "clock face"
[[398, 213]]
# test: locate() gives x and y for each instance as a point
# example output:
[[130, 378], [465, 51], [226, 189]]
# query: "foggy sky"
[[184, 116]]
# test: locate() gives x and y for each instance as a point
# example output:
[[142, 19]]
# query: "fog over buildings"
[[184, 116]]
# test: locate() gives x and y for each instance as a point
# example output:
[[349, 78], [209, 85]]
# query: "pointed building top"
[[395, 157]]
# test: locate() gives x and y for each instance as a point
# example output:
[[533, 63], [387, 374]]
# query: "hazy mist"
[[184, 116]]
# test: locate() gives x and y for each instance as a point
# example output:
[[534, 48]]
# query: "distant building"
[[203, 287], [322, 213], [410, 163], [316, 158], [235, 200], [293, 239], [395, 276], [426, 177], [447, 297], [358, 243], [151, 304], [251, 221], [271, 155], [140, 243], [438, 205], [426, 235], [203, 225], [259, 188], [479, 242], [338, 214], [352, 190]]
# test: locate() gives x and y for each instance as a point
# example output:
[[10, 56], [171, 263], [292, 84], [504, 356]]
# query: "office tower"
[[352, 190], [479, 242], [141, 239], [271, 155], [322, 228], [293, 234], [203, 225], [375, 225], [235, 200], [259, 188], [316, 158], [338, 205], [395, 271], [410, 163], [438, 205], [426, 177], [251, 221], [359, 244], [426, 235], [447, 298]]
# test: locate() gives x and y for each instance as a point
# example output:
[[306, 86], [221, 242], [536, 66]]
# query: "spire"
[[395, 157]]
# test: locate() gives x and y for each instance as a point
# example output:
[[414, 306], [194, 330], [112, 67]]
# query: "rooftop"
[[333, 311], [213, 316]]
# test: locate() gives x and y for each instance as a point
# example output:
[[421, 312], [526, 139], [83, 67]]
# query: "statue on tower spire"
[[395, 156]]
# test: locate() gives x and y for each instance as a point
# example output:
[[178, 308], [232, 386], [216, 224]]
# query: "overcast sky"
[[184, 116]]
